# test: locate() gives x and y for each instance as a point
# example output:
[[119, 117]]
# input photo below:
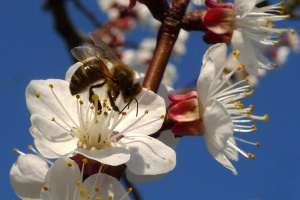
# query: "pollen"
[[292, 31], [110, 197], [30, 147], [77, 96], [15, 150], [251, 156], [53, 119], [105, 114], [84, 161], [124, 113], [130, 190], [81, 102], [170, 161], [97, 189], [51, 86], [96, 121], [82, 191], [246, 79], [257, 144], [236, 53], [45, 188], [253, 128], [78, 183], [266, 117], [251, 107], [149, 88], [225, 71], [280, 34], [146, 112], [37, 95], [95, 97], [162, 117], [70, 164]]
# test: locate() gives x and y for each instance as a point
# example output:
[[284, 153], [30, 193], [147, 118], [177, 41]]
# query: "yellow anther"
[[15, 150], [124, 113], [162, 117], [251, 156], [252, 92], [238, 68], [148, 88], [292, 31], [45, 188], [102, 164], [281, 12], [271, 69], [249, 115], [280, 34], [95, 97], [257, 144], [104, 100], [246, 79], [282, 3], [236, 53], [108, 108], [110, 197], [51, 86], [266, 117], [129, 189], [70, 164], [82, 191], [97, 189], [96, 121], [252, 107], [146, 112], [170, 161], [77, 96], [81, 102], [78, 183], [251, 85], [88, 196], [269, 21], [225, 71], [98, 198], [253, 128], [84, 161], [37, 95], [92, 107], [30, 147], [104, 105], [105, 114], [53, 119]]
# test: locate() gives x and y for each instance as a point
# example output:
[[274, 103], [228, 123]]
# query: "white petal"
[[47, 105], [148, 155], [52, 136], [205, 79], [247, 56], [27, 176], [218, 128], [111, 156], [217, 53], [242, 7], [107, 185], [72, 70], [61, 180], [44, 150], [142, 178], [144, 123]]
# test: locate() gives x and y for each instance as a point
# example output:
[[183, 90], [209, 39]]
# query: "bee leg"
[[127, 105], [111, 100], [91, 93]]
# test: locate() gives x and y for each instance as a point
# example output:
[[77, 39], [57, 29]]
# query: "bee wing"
[[105, 51], [84, 53]]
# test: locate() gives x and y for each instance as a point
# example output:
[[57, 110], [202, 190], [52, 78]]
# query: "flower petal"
[[247, 57], [72, 70], [52, 136], [27, 176], [148, 156], [205, 80], [218, 129], [193, 128], [219, 20], [217, 53], [151, 112], [41, 100], [111, 156], [107, 185], [242, 7], [61, 180]]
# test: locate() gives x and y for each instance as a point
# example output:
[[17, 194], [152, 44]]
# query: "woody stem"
[[167, 37]]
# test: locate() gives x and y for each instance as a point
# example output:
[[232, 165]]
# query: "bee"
[[100, 63]]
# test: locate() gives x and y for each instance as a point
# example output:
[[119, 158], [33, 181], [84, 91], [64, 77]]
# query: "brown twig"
[[167, 37]]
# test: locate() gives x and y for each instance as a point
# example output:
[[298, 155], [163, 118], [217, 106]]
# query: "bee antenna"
[[127, 105]]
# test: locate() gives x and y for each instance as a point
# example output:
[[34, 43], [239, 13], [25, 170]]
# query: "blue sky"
[[31, 49]]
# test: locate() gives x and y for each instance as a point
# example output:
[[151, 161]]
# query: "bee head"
[[131, 92]]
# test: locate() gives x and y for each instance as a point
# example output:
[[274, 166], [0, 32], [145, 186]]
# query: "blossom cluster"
[[113, 126]]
